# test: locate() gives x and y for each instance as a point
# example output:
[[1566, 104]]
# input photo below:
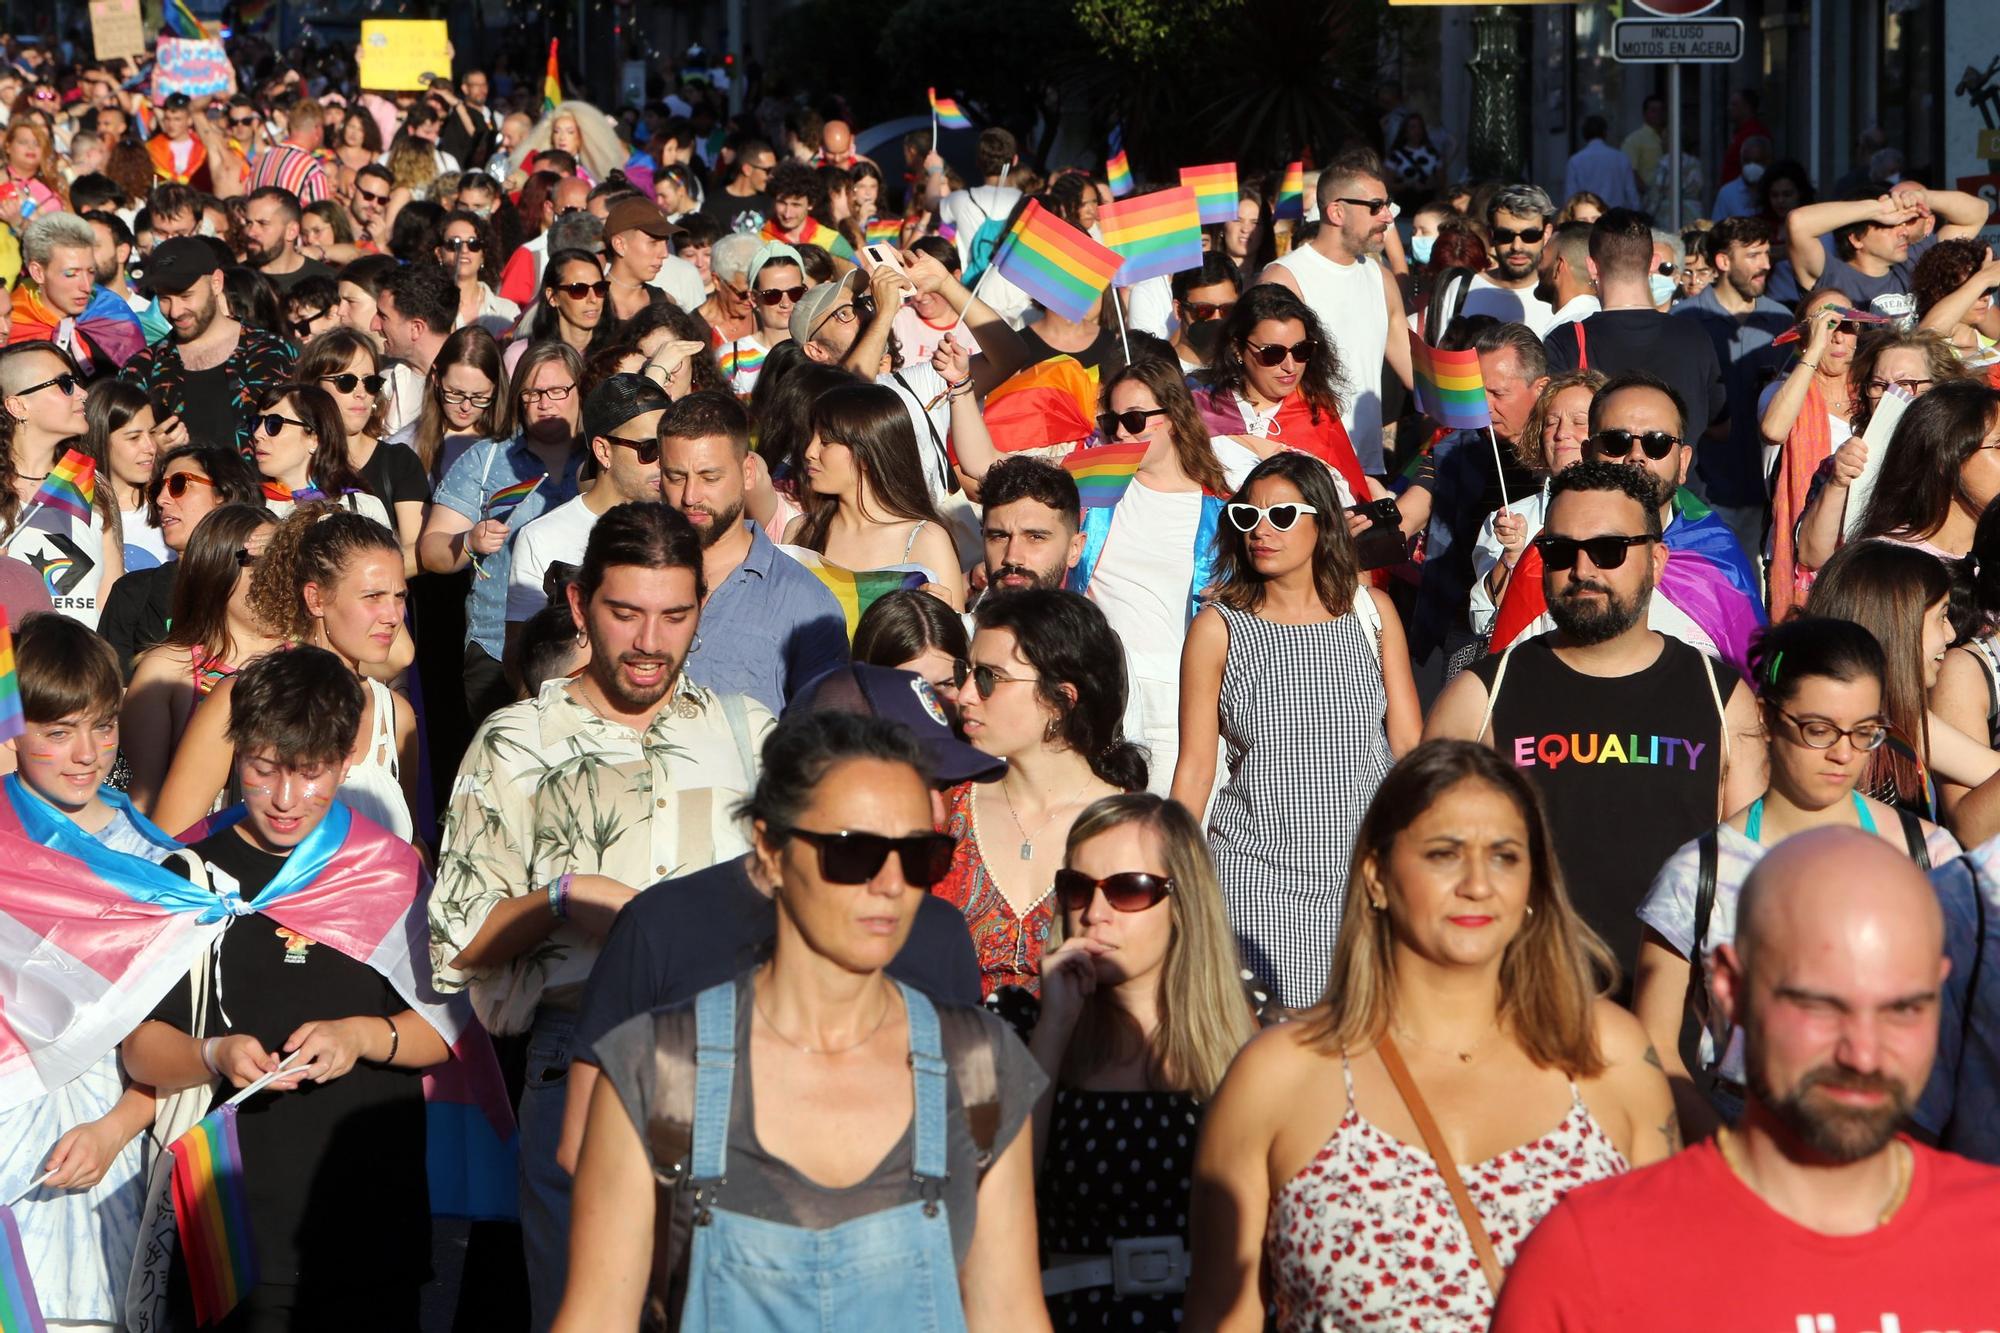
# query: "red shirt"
[[1684, 1245]]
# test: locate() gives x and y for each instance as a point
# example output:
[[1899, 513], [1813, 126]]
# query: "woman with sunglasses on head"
[[1290, 645], [862, 1187], [214, 633], [867, 505], [548, 450], [1464, 993], [1913, 363], [465, 248], [299, 446], [41, 419], [334, 580], [1043, 687], [346, 365], [120, 438], [1803, 418], [913, 631], [1557, 428], [1142, 1010], [193, 480], [1820, 691], [1273, 384]]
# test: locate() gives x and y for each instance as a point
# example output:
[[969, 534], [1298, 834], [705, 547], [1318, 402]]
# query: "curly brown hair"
[[313, 545], [1944, 269], [1938, 354]]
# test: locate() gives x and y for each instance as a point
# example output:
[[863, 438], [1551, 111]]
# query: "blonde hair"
[[1553, 970], [1204, 1013], [601, 153]]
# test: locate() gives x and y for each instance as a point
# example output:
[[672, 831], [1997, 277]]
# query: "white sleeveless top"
[[372, 787], [1348, 300]]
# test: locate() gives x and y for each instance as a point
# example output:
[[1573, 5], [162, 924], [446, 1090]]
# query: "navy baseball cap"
[[907, 698]]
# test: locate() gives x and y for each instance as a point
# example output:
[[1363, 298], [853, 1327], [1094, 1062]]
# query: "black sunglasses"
[[242, 122], [345, 383], [1134, 421], [646, 451], [1373, 206], [303, 327], [65, 381], [856, 858], [1604, 552], [1527, 235], [984, 678], [472, 243], [779, 295], [273, 424], [371, 198], [1618, 443], [1200, 312], [576, 291], [1274, 354], [1127, 891], [244, 559]]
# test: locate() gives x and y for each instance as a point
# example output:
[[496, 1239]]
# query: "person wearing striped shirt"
[[294, 164]]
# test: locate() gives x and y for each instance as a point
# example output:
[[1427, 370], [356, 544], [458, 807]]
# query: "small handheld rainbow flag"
[[503, 501], [1055, 263], [1291, 204], [20, 1308], [945, 111], [552, 92], [212, 1215], [181, 20], [1157, 233], [1214, 190], [11, 722], [1449, 388], [1116, 169], [1103, 473], [71, 486], [883, 231]]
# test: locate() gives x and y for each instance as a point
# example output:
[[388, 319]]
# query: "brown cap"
[[639, 215]]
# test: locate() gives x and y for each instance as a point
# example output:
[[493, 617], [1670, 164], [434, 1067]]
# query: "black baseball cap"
[[177, 264], [907, 698], [620, 398]]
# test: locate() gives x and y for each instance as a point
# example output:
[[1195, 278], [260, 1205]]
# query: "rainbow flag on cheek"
[[20, 1308], [212, 1215], [1291, 202], [1214, 190], [1103, 473], [1055, 263], [1448, 385]]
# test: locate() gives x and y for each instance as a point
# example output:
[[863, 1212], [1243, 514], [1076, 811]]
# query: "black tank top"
[[1628, 767]]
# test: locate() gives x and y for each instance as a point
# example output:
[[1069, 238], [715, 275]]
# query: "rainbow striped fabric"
[[1116, 169], [948, 115], [814, 232], [743, 357], [502, 501], [1214, 189], [1291, 203], [1157, 234], [552, 92], [1055, 263], [20, 1308], [212, 1215], [883, 231], [857, 589], [1449, 388], [181, 21], [71, 486], [11, 721], [1103, 473]]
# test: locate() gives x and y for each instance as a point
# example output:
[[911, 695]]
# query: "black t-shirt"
[[1629, 768], [746, 213], [395, 474], [684, 935], [311, 268], [1090, 358], [334, 1172], [1676, 350], [137, 611], [211, 405]]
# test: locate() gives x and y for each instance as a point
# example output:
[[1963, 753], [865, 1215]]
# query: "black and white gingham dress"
[[1302, 710]]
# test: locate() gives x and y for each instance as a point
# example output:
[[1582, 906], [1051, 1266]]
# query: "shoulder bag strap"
[[1971, 999], [1708, 848], [1722, 734], [1475, 1226], [969, 1051], [937, 443], [1582, 347], [1493, 692], [1913, 838]]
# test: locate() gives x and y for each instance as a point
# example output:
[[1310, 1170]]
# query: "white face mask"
[[1420, 248], [1753, 172], [1660, 288]]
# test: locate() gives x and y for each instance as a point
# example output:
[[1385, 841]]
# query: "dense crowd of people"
[[522, 703]]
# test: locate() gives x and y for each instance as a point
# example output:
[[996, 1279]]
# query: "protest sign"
[[403, 55], [116, 30], [199, 68]]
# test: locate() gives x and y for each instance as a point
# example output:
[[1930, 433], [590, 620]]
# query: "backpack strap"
[[1708, 852], [1913, 838], [670, 1138], [1582, 347]]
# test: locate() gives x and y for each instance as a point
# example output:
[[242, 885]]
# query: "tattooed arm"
[[1630, 1098]]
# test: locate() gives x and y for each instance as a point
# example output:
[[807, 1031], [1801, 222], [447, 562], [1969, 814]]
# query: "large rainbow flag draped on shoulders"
[[109, 328], [1708, 581]]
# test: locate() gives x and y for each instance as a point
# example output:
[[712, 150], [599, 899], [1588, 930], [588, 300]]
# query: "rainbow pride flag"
[[814, 232], [1448, 386], [743, 357], [212, 1215], [883, 231], [1116, 169], [552, 92], [20, 1308], [71, 486], [1214, 190], [947, 113], [181, 21], [503, 501], [11, 722], [1103, 473], [1156, 234], [1291, 204], [857, 589], [1055, 263]]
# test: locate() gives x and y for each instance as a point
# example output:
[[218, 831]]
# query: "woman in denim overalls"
[[829, 1152]]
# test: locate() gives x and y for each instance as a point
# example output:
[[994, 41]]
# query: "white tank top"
[[1348, 300], [372, 787]]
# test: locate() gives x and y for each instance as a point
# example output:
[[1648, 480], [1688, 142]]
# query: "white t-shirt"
[[560, 534], [923, 393], [145, 548], [355, 502], [1487, 297], [1151, 307], [967, 210], [918, 337], [70, 558]]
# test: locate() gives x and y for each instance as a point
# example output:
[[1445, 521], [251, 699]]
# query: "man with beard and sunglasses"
[[770, 626], [1814, 1212], [1625, 730], [1519, 220], [566, 805]]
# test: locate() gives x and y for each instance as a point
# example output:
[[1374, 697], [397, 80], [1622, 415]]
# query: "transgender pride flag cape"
[[1708, 581], [91, 940]]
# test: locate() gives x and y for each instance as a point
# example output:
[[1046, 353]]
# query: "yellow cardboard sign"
[[403, 55], [1989, 144]]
